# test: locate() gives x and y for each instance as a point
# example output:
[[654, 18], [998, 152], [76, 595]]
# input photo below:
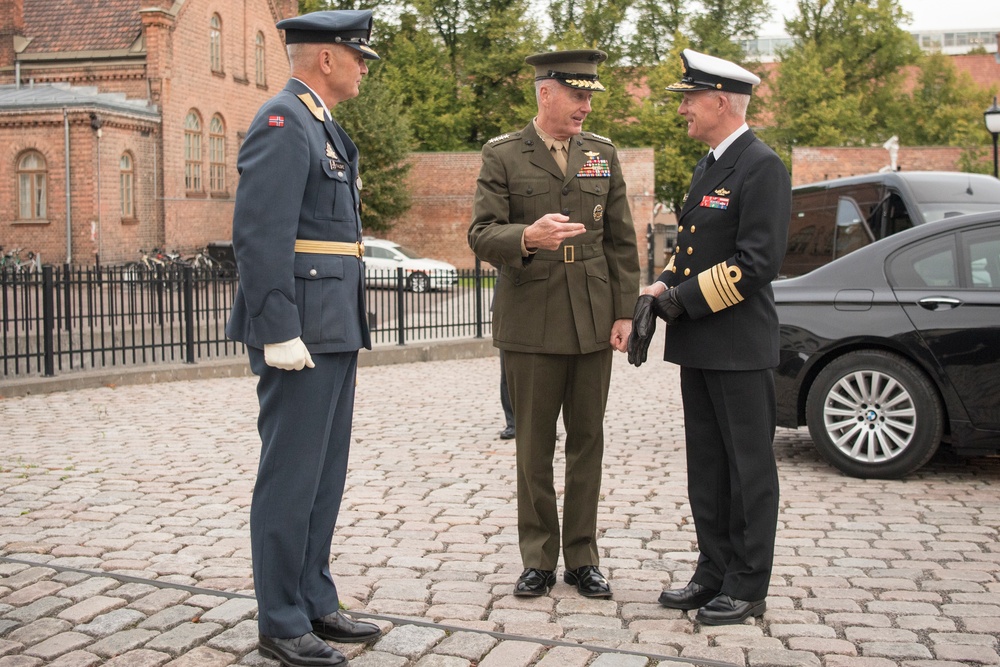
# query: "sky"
[[927, 15]]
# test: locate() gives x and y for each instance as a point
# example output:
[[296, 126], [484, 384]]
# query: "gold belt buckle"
[[569, 254], [361, 249]]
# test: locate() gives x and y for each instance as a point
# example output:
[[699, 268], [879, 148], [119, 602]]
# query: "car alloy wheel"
[[874, 414], [419, 282]]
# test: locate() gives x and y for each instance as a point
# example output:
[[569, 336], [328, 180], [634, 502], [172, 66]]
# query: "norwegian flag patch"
[[276, 121]]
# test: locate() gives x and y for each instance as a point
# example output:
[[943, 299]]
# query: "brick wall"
[[192, 219], [811, 165], [442, 187], [95, 206]]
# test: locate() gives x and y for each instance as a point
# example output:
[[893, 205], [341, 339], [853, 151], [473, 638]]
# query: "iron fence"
[[64, 318]]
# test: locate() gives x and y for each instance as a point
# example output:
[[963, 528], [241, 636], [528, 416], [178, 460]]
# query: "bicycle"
[[12, 261], [136, 271], [221, 268]]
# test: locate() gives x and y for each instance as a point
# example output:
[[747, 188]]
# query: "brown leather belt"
[[570, 253], [355, 249]]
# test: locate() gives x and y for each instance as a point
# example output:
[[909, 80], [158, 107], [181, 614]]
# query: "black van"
[[833, 218]]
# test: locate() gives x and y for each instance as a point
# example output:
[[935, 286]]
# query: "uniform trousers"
[[729, 422], [305, 430], [540, 386], [508, 409]]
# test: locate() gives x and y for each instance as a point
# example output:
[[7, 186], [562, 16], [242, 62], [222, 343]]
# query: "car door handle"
[[939, 303]]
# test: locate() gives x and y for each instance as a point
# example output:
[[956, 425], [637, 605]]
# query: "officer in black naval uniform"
[[300, 309], [722, 329], [551, 210]]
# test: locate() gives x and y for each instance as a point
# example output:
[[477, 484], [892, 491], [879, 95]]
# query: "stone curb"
[[236, 366]]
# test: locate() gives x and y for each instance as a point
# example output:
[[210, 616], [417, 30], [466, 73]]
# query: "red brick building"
[[120, 120]]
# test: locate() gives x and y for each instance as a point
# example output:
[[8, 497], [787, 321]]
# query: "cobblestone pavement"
[[124, 537]]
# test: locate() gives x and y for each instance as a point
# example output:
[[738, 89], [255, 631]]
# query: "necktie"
[[559, 154], [710, 161]]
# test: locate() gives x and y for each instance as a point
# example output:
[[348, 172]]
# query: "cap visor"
[[367, 51], [682, 87]]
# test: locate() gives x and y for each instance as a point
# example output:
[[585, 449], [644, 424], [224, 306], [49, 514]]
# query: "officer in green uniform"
[[551, 211]]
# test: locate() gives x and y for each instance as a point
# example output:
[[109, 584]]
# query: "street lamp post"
[[992, 118]]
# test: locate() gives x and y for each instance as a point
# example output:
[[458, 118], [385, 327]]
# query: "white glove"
[[291, 355]]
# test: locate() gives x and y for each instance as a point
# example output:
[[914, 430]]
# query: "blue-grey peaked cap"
[[350, 27]]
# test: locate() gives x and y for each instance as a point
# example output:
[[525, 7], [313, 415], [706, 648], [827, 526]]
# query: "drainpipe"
[[69, 204], [95, 124]]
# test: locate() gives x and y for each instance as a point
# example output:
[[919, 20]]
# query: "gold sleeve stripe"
[[718, 286], [670, 264]]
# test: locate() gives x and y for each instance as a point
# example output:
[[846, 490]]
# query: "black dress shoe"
[[534, 582], [305, 651], [691, 596], [588, 581], [338, 628], [507, 433], [724, 610]]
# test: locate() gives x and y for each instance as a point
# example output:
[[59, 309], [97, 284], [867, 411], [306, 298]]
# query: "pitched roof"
[[81, 25], [49, 96]]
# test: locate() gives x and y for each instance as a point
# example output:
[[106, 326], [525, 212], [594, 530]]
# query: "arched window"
[[126, 180], [192, 152], [216, 154], [215, 43], [31, 186], [259, 59]]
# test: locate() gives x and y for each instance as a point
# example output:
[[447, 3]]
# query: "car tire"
[[873, 414], [418, 282]]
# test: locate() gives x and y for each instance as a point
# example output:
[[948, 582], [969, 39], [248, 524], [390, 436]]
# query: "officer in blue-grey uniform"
[[722, 330], [300, 309]]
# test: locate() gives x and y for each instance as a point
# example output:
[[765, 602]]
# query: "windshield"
[[940, 198], [411, 254], [939, 211]]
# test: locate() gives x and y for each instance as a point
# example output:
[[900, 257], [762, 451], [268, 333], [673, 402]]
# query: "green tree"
[[655, 23], [812, 105], [377, 124], [944, 108], [861, 41], [719, 21], [416, 68]]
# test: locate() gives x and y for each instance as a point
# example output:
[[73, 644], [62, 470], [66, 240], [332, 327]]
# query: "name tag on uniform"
[[715, 202]]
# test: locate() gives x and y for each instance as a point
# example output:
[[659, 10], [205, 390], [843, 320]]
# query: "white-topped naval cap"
[[705, 72]]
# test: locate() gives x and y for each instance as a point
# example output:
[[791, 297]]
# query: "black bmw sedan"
[[895, 348]]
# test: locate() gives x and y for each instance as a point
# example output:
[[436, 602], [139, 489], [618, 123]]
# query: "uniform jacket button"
[[681, 228], [312, 272], [530, 190], [690, 250], [687, 272], [692, 229], [565, 190]]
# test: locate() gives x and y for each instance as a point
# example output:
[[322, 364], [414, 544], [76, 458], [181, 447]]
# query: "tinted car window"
[[928, 264], [851, 231], [810, 233], [895, 217], [984, 257]]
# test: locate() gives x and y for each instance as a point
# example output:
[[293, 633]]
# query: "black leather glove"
[[643, 327], [668, 306]]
